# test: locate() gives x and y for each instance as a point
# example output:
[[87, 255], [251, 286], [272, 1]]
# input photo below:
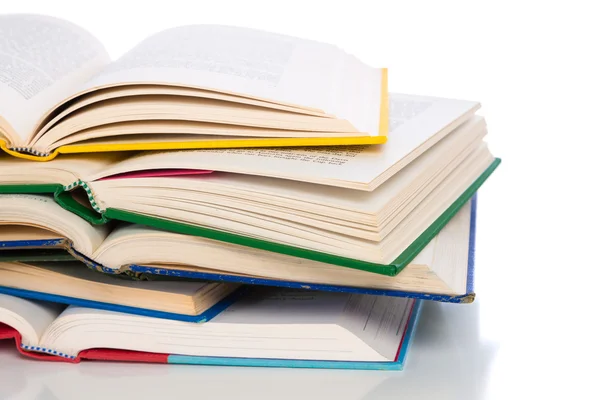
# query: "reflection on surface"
[[448, 359]]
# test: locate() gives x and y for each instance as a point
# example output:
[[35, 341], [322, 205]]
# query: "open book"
[[201, 86], [303, 327], [72, 283], [379, 208], [441, 271], [416, 124]]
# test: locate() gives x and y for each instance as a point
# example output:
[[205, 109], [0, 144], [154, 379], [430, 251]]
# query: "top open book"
[[190, 87]]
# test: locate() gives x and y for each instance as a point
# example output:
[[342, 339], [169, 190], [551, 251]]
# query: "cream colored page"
[[63, 170], [265, 305], [30, 318], [413, 120], [378, 321], [43, 60], [256, 188], [284, 306], [78, 271], [257, 64], [44, 212], [452, 250]]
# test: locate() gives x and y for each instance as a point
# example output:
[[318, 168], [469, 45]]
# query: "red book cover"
[[7, 332]]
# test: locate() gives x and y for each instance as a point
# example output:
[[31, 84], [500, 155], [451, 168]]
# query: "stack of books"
[[225, 196]]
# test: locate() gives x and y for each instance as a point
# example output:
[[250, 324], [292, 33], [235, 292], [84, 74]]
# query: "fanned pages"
[[376, 227], [265, 323], [380, 230], [25, 176], [417, 123], [38, 211], [370, 208], [440, 271], [199, 86], [73, 283]]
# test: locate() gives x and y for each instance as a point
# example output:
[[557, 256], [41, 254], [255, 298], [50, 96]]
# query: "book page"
[[43, 60], [414, 120], [64, 170], [285, 326], [256, 64], [78, 271], [30, 318], [285, 306], [43, 212], [379, 321], [10, 233]]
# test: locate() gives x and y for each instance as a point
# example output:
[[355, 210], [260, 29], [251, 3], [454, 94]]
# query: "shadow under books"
[[448, 359]]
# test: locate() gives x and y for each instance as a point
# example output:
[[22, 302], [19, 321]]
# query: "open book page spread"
[[267, 323], [156, 173], [253, 63], [224, 195], [42, 61], [199, 79], [413, 121]]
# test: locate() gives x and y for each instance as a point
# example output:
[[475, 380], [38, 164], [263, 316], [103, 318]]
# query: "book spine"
[[8, 332], [472, 239], [26, 153], [64, 198], [28, 349]]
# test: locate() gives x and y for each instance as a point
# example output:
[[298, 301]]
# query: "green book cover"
[[66, 200], [65, 197], [49, 188]]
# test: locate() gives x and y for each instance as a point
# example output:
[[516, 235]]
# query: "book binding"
[[142, 272], [8, 333], [66, 200]]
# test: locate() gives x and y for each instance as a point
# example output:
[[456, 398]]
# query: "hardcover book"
[[442, 271], [198, 86], [372, 209], [266, 327]]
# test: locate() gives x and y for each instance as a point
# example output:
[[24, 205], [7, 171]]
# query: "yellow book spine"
[[4, 147]]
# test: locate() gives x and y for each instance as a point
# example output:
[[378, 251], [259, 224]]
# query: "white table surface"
[[448, 356]]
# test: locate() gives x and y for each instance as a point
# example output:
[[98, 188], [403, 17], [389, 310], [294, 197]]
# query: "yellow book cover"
[[215, 91]]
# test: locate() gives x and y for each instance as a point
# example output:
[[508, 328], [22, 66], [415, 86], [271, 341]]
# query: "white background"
[[535, 68]]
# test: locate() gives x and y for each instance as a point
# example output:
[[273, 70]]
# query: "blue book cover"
[[467, 297], [113, 354], [397, 364], [29, 250], [53, 298]]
